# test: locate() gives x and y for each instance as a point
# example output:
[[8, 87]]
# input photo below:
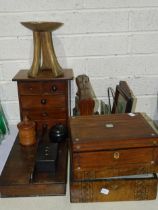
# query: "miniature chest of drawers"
[[112, 145], [44, 100]]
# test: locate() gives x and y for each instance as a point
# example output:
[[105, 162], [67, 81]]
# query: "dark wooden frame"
[[123, 90]]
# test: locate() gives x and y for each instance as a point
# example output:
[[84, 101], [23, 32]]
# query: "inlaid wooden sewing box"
[[105, 147]]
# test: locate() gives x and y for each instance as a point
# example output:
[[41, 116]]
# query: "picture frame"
[[124, 99]]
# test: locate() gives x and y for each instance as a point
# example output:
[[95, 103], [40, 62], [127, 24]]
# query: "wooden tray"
[[16, 175]]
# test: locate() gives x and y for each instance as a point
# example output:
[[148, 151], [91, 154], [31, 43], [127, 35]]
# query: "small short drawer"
[[30, 88], [43, 102], [54, 87]]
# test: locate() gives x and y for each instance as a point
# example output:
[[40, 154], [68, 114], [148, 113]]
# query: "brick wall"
[[109, 40]]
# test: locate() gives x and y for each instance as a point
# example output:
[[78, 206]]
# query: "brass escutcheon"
[[116, 155], [155, 142]]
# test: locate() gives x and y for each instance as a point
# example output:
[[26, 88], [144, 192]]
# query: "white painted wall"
[[109, 40]]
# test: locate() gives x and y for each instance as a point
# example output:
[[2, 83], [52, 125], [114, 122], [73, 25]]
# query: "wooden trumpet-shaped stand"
[[44, 61]]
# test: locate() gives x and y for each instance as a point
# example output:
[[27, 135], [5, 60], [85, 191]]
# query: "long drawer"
[[49, 123], [38, 88], [41, 102], [44, 114]]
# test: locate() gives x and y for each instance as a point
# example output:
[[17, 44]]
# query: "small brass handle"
[[43, 101], [116, 155], [54, 88]]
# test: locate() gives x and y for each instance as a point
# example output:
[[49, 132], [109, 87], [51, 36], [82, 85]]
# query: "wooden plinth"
[[15, 178], [119, 189]]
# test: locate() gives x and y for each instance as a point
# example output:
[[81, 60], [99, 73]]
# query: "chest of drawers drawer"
[[44, 114], [42, 102]]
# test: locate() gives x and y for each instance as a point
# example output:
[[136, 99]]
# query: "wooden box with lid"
[[105, 147], [112, 145]]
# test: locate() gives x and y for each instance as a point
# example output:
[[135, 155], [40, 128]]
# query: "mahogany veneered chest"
[[44, 99], [112, 145]]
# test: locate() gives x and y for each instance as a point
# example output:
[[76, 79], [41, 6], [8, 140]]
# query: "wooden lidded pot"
[[27, 132]]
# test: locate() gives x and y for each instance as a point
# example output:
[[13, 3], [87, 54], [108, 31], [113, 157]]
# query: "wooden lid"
[[114, 131], [26, 124]]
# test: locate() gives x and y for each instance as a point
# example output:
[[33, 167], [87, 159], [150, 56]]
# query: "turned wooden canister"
[[27, 132]]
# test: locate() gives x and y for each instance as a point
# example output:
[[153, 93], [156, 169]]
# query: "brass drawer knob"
[[54, 88], [116, 155], [43, 101]]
